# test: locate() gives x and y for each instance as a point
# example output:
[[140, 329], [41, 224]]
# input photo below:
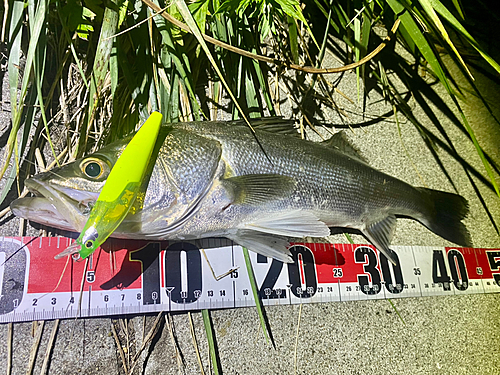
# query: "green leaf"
[[458, 7], [264, 87], [174, 99], [180, 65], [290, 7], [255, 292], [37, 19], [450, 18], [100, 68], [293, 38], [78, 18], [396, 310], [357, 51], [428, 8], [419, 39], [211, 341], [69, 41], [38, 68], [234, 6], [365, 32], [122, 14], [27, 118], [199, 10], [188, 18], [113, 69], [16, 33]]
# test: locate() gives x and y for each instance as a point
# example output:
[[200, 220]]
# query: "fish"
[[259, 189]]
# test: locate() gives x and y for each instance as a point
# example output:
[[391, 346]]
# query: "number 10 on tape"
[[131, 277]]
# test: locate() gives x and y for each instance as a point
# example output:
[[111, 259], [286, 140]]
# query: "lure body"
[[120, 190]]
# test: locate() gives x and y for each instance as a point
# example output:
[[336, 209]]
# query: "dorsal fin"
[[274, 124], [340, 142]]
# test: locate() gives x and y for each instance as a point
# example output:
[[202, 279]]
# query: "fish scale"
[[341, 182]]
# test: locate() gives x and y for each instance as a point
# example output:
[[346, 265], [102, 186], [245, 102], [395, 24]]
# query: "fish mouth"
[[40, 210], [58, 207]]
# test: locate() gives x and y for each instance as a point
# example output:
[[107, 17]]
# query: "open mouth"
[[63, 208], [40, 210]]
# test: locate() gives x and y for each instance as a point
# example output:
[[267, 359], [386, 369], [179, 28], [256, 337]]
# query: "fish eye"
[[93, 168]]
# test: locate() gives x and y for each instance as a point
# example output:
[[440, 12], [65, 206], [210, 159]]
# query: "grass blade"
[[35, 49], [292, 37], [428, 8], [357, 49], [188, 18], [15, 52], [449, 17], [38, 68], [13, 67], [28, 117], [71, 45], [100, 69], [396, 310], [458, 7], [15, 36], [36, 23], [169, 42], [365, 33], [349, 238], [174, 98], [255, 292], [113, 70], [207, 322]]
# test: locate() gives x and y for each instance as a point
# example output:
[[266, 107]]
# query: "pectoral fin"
[[380, 233], [270, 246], [268, 235], [256, 189]]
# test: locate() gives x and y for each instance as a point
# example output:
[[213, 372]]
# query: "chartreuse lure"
[[120, 190]]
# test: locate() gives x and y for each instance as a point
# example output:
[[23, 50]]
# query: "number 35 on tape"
[[133, 277]]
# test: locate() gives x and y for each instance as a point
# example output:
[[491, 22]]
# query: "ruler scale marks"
[[173, 276]]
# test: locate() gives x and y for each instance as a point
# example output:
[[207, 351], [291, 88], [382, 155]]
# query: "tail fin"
[[444, 215]]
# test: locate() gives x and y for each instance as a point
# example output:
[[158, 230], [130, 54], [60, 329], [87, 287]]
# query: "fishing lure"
[[119, 192]]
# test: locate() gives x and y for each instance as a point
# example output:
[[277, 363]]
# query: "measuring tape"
[[134, 277]]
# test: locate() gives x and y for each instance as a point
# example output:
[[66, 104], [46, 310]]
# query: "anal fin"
[[270, 246], [380, 233]]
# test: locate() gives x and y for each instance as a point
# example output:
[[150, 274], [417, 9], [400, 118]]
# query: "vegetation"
[[97, 68]]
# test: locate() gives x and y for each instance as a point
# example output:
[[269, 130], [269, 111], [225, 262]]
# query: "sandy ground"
[[440, 335]]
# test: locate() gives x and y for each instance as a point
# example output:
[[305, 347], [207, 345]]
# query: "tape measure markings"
[[173, 276]]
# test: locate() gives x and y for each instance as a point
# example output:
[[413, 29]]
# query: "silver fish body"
[[213, 179]]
